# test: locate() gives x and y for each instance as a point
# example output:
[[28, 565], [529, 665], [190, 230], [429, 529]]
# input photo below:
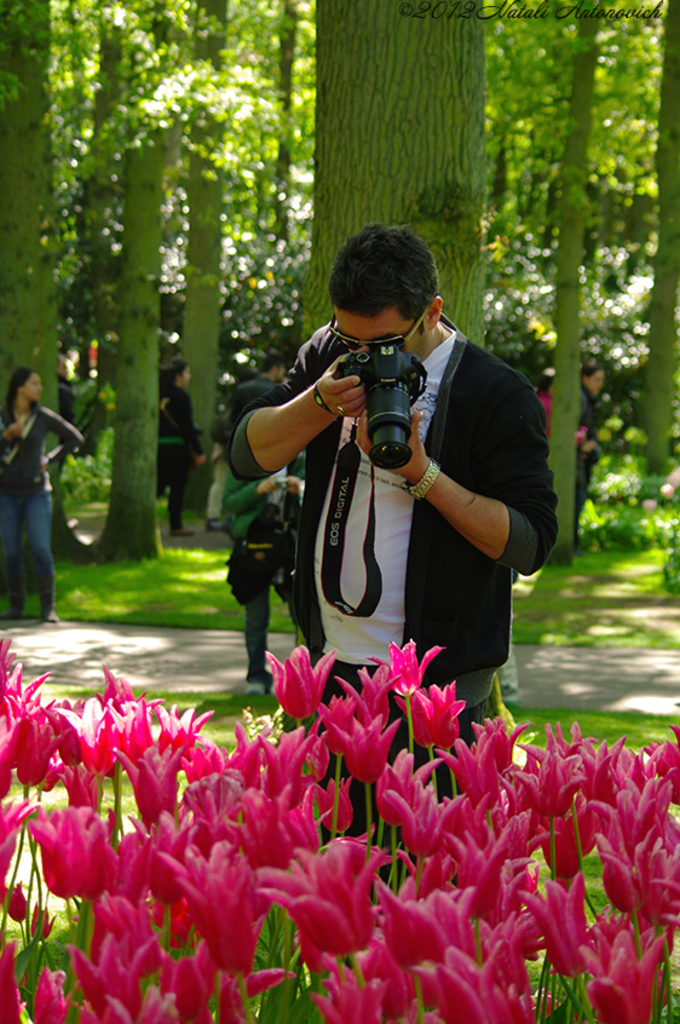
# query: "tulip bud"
[[17, 904]]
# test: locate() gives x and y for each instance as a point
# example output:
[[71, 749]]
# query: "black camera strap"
[[344, 484]]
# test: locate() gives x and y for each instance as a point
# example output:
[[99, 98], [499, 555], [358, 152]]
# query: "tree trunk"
[[287, 35], [103, 193], [657, 407], [131, 530], [27, 291], [203, 306], [572, 210], [400, 138]]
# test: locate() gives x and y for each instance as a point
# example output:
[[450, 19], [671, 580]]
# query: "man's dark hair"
[[590, 368], [384, 266], [273, 359]]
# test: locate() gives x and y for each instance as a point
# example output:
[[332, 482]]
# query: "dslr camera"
[[393, 381]]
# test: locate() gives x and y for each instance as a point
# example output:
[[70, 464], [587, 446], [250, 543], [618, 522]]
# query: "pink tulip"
[[130, 925], [475, 771], [348, 1003], [550, 781], [435, 716], [231, 1004], [117, 975], [373, 700], [325, 800], [299, 687], [366, 748], [99, 729], [566, 847], [51, 1007], [404, 799], [329, 895], [405, 667], [206, 759], [81, 786], [11, 817], [40, 920], [284, 763], [562, 918], [77, 857], [180, 732], [134, 854], [221, 890], [17, 904], [211, 804], [9, 994], [8, 749], [417, 931], [378, 964], [622, 987], [468, 992], [154, 780], [191, 980], [337, 717], [494, 733], [36, 742], [117, 692]]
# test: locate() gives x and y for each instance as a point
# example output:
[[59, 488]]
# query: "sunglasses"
[[398, 340]]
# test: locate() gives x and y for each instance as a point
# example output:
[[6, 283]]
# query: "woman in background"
[[25, 488], [179, 446]]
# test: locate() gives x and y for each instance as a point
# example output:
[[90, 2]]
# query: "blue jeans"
[[36, 512], [257, 621]]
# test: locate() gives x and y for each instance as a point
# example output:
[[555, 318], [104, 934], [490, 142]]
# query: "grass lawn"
[[183, 588], [604, 599]]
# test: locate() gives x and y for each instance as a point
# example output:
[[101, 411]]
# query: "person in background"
[[588, 449], [544, 389], [249, 388], [65, 393], [179, 446], [25, 488], [245, 500]]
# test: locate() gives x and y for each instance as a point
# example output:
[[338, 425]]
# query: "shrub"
[[88, 478]]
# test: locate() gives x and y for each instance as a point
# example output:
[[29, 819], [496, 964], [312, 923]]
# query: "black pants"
[[173, 472], [350, 673]]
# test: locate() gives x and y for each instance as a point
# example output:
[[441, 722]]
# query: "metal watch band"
[[420, 489]]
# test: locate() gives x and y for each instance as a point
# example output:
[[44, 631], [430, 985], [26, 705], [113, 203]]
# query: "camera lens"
[[389, 425]]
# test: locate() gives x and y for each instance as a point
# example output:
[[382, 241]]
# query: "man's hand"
[[419, 461], [344, 396]]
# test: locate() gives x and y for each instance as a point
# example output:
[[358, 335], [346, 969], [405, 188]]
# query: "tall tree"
[[572, 207], [205, 185], [400, 138], [27, 292], [657, 409], [131, 530], [287, 34]]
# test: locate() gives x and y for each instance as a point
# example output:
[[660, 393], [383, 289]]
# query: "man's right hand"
[[344, 396]]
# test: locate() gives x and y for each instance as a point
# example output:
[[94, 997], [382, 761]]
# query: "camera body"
[[393, 381]]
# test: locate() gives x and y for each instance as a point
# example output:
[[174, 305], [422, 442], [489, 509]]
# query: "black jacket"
[[488, 434]]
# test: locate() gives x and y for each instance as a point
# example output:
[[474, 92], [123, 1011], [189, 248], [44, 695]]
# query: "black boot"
[[46, 589], [16, 586]]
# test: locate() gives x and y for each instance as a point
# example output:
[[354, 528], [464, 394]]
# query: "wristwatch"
[[420, 489]]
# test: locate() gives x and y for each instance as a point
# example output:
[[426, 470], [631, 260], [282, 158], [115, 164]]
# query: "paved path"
[[214, 661]]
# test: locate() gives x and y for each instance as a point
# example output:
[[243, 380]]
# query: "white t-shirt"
[[357, 640]]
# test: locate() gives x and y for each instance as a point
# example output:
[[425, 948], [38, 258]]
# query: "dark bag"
[[255, 560]]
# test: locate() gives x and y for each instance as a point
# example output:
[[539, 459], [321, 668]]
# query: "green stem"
[[336, 795], [410, 723], [478, 942], [579, 851], [369, 820], [244, 999], [553, 854], [636, 929], [419, 998], [361, 981], [542, 991], [117, 805], [394, 871]]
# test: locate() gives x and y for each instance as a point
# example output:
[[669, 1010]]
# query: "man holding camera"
[[421, 549]]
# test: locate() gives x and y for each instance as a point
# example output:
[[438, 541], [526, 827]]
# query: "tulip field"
[[224, 889]]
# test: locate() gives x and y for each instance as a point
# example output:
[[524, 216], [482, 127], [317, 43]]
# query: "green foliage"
[[622, 528], [88, 478], [671, 569]]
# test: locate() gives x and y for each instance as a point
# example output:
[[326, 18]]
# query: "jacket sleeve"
[[315, 356], [240, 496], [70, 436]]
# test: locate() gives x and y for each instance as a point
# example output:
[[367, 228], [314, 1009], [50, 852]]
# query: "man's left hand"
[[415, 468]]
